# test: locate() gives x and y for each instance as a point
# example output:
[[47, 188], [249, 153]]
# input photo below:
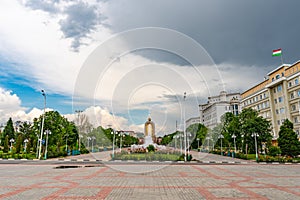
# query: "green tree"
[[5, 146], [201, 132], [243, 126], [250, 123], [288, 140], [231, 125], [27, 131], [167, 139], [19, 143], [9, 130], [63, 133]]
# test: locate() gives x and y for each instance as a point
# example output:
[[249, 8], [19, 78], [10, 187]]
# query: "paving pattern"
[[145, 181]]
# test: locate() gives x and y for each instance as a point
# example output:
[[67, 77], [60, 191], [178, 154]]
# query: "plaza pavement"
[[148, 181]]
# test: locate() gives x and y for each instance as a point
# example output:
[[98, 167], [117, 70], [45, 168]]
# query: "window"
[[278, 122], [274, 90], [280, 99], [279, 88], [292, 95], [281, 110], [277, 76], [293, 107], [256, 98], [290, 84], [296, 81], [272, 79], [260, 97], [275, 101], [277, 111], [282, 74], [295, 119], [264, 95], [298, 92]]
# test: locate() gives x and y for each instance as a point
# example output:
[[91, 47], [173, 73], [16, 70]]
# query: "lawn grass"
[[150, 156]]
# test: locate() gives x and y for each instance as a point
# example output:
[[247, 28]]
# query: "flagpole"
[[281, 58]]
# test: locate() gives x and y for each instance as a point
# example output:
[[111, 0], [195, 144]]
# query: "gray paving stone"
[[272, 193], [150, 181]]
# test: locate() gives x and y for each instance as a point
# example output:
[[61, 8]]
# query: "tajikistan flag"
[[277, 52]]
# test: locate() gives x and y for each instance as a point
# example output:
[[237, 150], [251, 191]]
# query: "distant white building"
[[193, 120], [216, 106]]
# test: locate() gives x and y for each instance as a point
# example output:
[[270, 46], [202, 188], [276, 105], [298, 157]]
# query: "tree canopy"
[[288, 140]]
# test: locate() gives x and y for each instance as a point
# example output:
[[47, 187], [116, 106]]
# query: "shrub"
[[151, 148], [274, 151]]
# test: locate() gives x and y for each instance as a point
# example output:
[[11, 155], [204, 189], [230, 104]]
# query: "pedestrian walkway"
[[159, 182]]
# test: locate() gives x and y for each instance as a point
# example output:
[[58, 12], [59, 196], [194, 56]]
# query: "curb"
[[154, 161]]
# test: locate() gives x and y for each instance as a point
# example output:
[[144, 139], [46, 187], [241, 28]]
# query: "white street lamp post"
[[79, 127], [234, 136], [113, 152], [255, 135], [208, 138], [11, 142], [67, 143], [25, 144], [184, 131], [43, 120], [175, 137], [47, 132], [221, 137], [89, 138], [93, 138], [121, 136], [198, 140], [181, 136], [79, 137], [188, 142]]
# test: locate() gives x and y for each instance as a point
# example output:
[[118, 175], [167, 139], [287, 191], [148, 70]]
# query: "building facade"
[[277, 97], [193, 120], [216, 106]]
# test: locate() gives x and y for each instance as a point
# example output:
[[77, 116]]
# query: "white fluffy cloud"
[[10, 106], [98, 116]]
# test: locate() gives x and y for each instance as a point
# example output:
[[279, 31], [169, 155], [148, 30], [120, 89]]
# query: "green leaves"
[[63, 132], [243, 126], [288, 140]]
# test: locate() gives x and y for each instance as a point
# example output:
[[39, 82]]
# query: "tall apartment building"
[[216, 106], [277, 97]]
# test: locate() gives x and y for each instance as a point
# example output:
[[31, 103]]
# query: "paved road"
[[144, 181]]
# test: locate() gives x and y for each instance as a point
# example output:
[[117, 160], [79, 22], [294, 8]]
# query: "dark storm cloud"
[[81, 18], [233, 31]]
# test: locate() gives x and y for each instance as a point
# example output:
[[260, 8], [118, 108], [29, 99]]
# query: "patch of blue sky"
[[30, 97], [136, 116]]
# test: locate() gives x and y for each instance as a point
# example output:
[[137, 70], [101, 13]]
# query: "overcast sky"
[[46, 44]]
